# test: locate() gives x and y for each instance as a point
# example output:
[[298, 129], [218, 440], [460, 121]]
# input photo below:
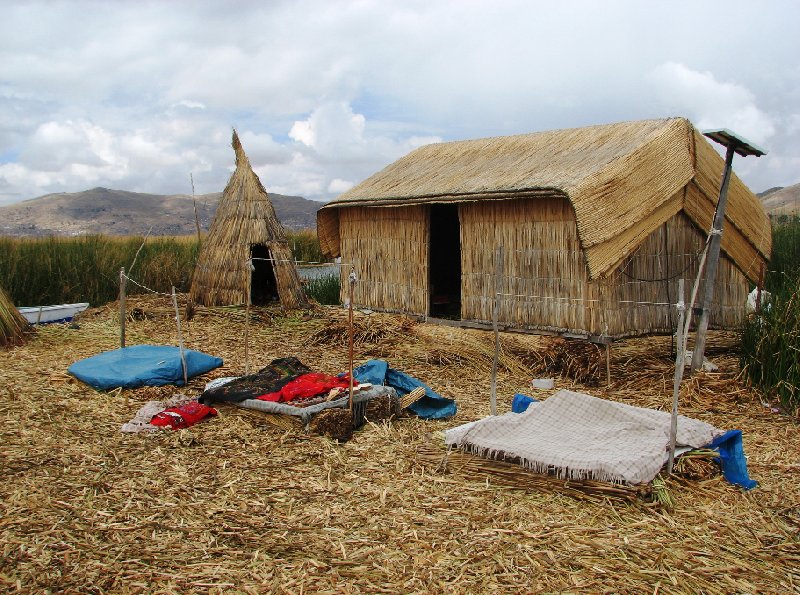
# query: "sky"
[[323, 93]]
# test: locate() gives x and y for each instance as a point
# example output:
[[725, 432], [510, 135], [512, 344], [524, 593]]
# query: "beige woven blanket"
[[578, 436]]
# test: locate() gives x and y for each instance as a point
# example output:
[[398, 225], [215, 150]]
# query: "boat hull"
[[48, 314]]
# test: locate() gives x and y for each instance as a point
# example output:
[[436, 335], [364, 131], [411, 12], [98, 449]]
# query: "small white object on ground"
[[543, 383]]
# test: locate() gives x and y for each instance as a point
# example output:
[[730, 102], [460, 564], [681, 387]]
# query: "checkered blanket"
[[577, 436]]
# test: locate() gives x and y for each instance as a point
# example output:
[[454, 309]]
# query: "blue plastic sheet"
[[141, 365], [732, 459], [521, 403], [431, 406]]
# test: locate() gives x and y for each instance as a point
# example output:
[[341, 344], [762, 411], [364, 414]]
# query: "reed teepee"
[[12, 323], [246, 231]]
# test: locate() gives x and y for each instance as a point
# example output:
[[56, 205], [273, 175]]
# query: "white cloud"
[[137, 95], [711, 103], [337, 186]]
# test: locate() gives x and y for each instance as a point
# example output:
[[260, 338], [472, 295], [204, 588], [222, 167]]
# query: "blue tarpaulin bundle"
[[431, 406], [141, 365]]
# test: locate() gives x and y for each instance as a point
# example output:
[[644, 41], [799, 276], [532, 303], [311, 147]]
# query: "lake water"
[[317, 271]]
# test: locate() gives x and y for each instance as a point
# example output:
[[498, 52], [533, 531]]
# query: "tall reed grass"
[[324, 289], [770, 357], [55, 270]]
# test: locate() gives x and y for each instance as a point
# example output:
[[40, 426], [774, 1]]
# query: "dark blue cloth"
[[521, 402], [431, 406], [141, 365], [732, 459]]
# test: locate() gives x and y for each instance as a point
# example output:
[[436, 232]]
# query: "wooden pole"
[[713, 262], [498, 270], [180, 336], [352, 283], [608, 364], [680, 363], [196, 218], [122, 313], [759, 288], [248, 302]]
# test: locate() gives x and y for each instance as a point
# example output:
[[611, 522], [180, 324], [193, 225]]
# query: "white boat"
[[44, 314]]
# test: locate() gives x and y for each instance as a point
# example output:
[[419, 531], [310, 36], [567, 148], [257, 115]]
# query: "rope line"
[[169, 295]]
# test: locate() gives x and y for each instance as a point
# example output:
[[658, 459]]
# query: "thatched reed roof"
[[245, 218], [12, 324], [623, 181]]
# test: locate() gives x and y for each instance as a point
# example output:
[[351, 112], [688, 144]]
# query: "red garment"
[[306, 386], [182, 416]]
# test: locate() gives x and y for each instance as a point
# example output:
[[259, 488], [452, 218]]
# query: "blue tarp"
[[521, 403], [141, 365], [431, 406], [732, 459]]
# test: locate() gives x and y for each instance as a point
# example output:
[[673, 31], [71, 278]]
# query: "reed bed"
[[240, 504]]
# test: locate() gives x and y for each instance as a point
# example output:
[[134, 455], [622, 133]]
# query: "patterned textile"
[[182, 416], [267, 380], [577, 436], [306, 386], [141, 421]]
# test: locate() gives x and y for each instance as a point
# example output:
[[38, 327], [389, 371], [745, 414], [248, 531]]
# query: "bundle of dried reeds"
[[509, 474], [373, 329], [336, 423], [12, 323]]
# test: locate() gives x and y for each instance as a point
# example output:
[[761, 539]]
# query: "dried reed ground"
[[237, 505]]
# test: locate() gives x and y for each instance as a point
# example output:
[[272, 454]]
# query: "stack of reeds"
[[12, 323]]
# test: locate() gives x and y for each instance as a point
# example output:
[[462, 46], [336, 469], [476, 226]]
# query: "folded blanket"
[[578, 436]]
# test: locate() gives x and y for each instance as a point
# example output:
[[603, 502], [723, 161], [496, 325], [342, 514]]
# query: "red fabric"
[[306, 386], [182, 416]]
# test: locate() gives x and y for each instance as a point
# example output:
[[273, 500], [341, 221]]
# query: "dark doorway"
[[445, 262], [263, 289]]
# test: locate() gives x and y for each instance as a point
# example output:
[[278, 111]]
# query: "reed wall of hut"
[[389, 249], [545, 282]]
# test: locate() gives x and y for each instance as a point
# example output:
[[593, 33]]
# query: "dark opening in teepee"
[[246, 238]]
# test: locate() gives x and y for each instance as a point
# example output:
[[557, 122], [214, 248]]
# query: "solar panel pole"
[[733, 144]]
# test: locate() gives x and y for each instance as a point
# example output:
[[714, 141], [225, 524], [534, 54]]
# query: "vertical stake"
[[352, 283], [498, 269], [122, 313], [680, 363], [759, 288], [250, 269], [180, 336]]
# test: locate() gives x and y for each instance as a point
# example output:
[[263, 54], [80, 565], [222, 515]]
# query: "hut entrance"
[[264, 288], [444, 262]]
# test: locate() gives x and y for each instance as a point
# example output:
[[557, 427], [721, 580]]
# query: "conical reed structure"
[[12, 324], [246, 230]]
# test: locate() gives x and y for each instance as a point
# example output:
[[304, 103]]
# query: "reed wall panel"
[[544, 275], [639, 297], [389, 249]]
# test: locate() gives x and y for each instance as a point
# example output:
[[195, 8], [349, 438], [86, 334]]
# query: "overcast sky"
[[135, 96]]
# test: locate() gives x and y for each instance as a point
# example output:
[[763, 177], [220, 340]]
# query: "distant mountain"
[[118, 212], [768, 191], [782, 201]]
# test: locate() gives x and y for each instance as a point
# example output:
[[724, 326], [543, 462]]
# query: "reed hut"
[[12, 324], [582, 232], [246, 230]]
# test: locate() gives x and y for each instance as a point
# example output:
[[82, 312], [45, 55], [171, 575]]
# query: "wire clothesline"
[[607, 301]]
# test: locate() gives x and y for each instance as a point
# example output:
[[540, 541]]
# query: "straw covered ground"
[[238, 504]]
